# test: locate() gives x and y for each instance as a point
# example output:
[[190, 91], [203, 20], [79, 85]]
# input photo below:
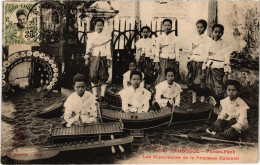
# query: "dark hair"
[[130, 61], [136, 73], [21, 12], [99, 20], [203, 22], [169, 70], [167, 20], [219, 26], [145, 27], [233, 82], [79, 78]]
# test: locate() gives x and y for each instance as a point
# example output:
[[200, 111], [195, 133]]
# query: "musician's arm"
[[124, 100], [158, 94], [146, 104], [178, 100], [178, 97], [108, 50], [93, 112], [68, 116], [142, 83], [138, 50], [125, 82], [223, 113], [89, 47]]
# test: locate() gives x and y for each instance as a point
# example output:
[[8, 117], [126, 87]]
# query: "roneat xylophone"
[[88, 134], [154, 118], [77, 138], [144, 120], [89, 130], [187, 112]]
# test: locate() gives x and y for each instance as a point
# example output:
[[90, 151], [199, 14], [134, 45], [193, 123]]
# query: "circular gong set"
[[43, 66]]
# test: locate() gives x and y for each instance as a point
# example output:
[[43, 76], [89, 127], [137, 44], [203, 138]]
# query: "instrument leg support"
[[137, 133]]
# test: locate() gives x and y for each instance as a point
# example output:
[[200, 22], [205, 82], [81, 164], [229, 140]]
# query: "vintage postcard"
[[130, 82]]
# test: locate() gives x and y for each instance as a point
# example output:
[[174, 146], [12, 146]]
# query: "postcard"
[[130, 82]]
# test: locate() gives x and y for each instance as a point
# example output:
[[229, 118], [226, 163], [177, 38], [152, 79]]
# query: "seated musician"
[[232, 120], [168, 92], [126, 75], [80, 106], [135, 98]]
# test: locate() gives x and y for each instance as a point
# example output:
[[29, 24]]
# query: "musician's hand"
[[87, 61], [109, 63], [76, 123], [68, 124], [133, 110]]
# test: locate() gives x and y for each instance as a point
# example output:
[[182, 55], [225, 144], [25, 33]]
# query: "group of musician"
[[209, 68]]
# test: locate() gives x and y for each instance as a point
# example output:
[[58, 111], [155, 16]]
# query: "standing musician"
[[167, 51], [145, 54], [98, 58]]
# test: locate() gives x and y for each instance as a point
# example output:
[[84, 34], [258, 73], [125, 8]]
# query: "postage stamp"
[[21, 23]]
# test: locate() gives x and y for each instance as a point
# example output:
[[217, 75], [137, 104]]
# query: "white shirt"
[[166, 92], [218, 53], [235, 109], [126, 79], [166, 47], [135, 100], [199, 52], [145, 45], [98, 44], [83, 107]]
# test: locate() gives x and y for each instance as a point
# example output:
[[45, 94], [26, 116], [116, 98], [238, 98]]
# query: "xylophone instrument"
[[166, 111], [144, 120], [77, 134], [96, 129]]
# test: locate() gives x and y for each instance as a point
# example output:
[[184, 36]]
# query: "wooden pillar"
[[137, 10], [137, 17], [212, 15]]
